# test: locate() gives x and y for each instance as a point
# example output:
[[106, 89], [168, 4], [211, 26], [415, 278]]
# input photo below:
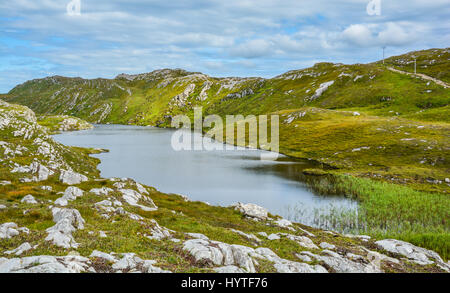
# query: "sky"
[[40, 38]]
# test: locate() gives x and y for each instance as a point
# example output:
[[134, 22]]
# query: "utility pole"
[[415, 63], [384, 47]]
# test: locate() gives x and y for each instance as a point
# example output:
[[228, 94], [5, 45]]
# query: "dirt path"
[[423, 76]]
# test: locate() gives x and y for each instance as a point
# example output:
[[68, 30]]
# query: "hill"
[[58, 215], [400, 131]]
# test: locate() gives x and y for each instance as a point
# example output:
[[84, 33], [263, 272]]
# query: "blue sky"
[[39, 38]]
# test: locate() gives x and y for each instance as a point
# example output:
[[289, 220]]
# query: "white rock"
[[67, 221], [417, 254], [158, 232], [283, 223], [132, 197], [198, 236], [70, 194], [24, 247], [99, 254], [2, 207], [243, 257], [8, 230], [71, 178], [45, 264], [301, 240], [29, 199], [273, 237], [101, 191], [341, 264], [252, 210], [326, 245]]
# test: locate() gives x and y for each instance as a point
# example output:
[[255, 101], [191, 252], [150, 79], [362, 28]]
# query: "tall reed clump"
[[385, 210]]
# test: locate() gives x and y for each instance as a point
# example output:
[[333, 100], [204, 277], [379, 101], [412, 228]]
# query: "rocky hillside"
[[60, 123], [58, 215], [355, 118]]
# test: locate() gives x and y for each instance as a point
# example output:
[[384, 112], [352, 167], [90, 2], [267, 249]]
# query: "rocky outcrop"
[[133, 198], [238, 257], [70, 194], [414, 253], [8, 230], [67, 221], [71, 178]]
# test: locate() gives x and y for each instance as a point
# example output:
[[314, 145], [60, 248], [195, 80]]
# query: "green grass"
[[390, 211]]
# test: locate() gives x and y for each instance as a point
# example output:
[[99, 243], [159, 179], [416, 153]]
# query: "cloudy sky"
[[39, 38]]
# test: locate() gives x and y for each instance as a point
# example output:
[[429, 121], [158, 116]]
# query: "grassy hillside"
[[119, 225], [401, 125], [433, 62]]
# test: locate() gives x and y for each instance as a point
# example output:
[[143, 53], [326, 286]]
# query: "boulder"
[[101, 191], [416, 254], [45, 264], [132, 197], [29, 199], [24, 247], [341, 264], [8, 230], [229, 257], [67, 221], [71, 178], [70, 194], [252, 210]]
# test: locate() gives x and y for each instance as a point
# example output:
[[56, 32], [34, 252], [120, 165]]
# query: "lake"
[[217, 177]]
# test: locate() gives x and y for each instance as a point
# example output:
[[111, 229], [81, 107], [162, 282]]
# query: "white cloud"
[[233, 37]]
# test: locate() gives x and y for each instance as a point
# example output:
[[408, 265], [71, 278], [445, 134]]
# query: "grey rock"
[[45, 264], [71, 178], [326, 245], [133, 198], [251, 210], [417, 254], [341, 264], [29, 199], [101, 191], [67, 221], [8, 230], [70, 194], [24, 247], [99, 254]]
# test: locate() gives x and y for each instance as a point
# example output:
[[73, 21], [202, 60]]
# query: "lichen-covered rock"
[[8, 230], [341, 264], [417, 254], [133, 198], [71, 178], [246, 258], [70, 194], [67, 221], [252, 210], [45, 264], [24, 247], [101, 191], [29, 199], [158, 232]]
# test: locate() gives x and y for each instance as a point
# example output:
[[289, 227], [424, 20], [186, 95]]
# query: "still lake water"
[[217, 177]]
